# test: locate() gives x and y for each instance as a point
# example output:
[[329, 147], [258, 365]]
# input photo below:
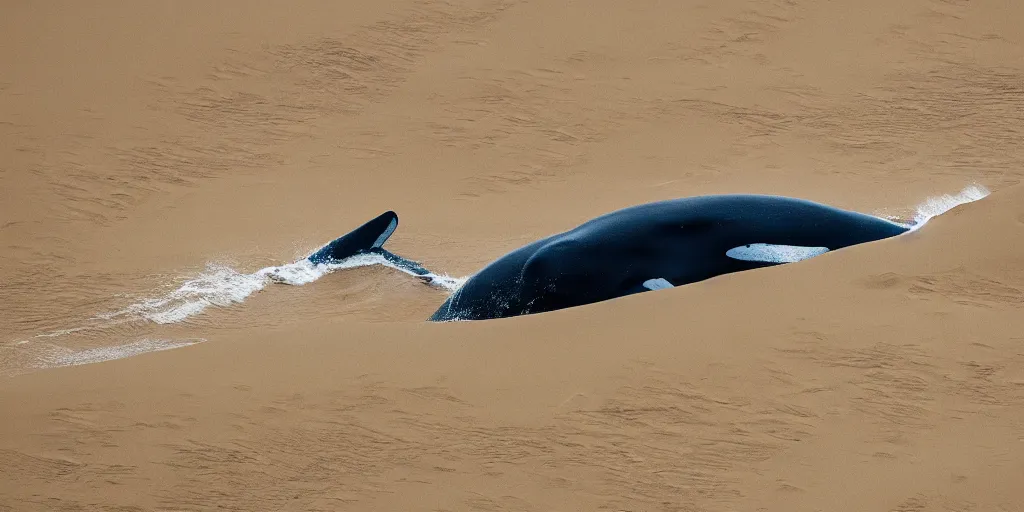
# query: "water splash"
[[224, 286], [937, 205]]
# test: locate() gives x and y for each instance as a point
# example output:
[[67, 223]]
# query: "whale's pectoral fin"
[[371, 235], [657, 284], [404, 263]]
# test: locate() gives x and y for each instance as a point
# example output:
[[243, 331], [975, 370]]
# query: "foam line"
[[62, 356]]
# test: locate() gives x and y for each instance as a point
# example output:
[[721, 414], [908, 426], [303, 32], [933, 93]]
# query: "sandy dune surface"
[[157, 155]]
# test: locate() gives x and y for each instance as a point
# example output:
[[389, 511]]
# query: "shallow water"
[[154, 193]]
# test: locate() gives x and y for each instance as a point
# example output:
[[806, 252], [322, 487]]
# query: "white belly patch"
[[771, 253]]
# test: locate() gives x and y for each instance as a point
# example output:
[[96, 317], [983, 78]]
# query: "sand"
[[157, 151]]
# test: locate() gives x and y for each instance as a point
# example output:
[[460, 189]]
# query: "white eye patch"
[[657, 284], [771, 253]]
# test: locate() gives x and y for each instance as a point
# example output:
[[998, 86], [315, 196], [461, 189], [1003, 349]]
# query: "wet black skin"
[[681, 240]]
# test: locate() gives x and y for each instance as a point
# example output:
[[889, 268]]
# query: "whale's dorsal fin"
[[371, 235], [388, 231]]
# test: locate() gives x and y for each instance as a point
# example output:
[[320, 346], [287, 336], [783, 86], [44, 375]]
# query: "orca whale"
[[641, 248]]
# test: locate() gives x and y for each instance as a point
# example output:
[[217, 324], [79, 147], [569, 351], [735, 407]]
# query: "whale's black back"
[[682, 241]]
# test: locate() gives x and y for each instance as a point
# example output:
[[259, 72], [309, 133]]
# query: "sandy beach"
[[162, 159]]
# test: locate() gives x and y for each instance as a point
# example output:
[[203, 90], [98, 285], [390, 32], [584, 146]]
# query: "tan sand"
[[145, 140]]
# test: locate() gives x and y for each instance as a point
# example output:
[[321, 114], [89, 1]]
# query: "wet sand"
[[153, 145]]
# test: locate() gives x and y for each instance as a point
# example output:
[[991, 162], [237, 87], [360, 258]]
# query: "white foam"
[[937, 205], [220, 285], [62, 356]]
